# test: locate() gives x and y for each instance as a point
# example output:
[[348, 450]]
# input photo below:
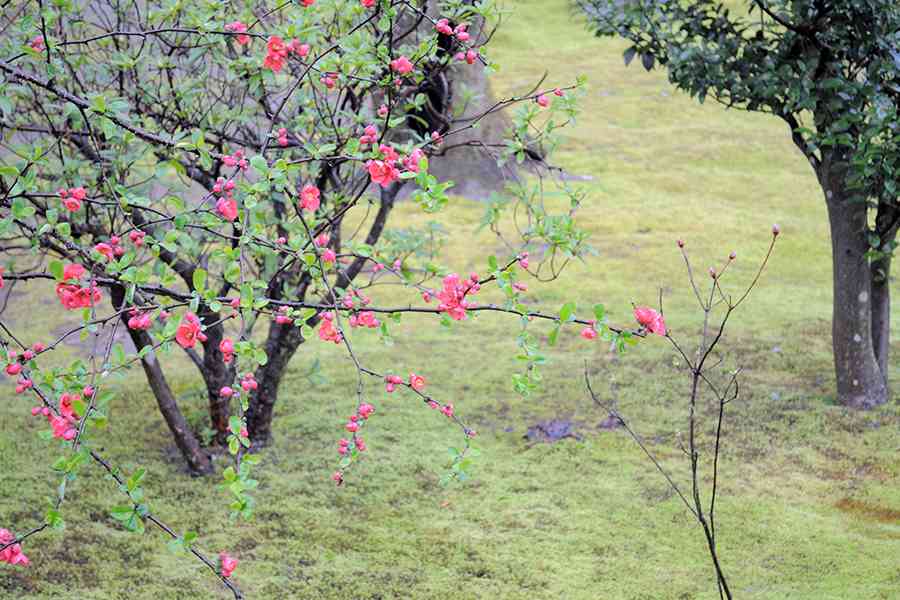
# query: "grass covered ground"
[[810, 505]]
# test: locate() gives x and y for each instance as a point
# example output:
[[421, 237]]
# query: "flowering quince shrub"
[[301, 122]]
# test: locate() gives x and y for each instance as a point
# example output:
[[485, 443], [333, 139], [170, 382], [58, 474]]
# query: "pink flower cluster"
[[402, 65], [391, 382], [650, 319], [226, 347], [365, 318], [72, 197], [11, 554], [139, 320], [416, 382], [238, 27], [443, 27], [282, 137], [248, 382], [329, 80], [189, 331], [73, 297], [370, 135], [327, 330], [236, 160], [227, 564], [310, 198], [283, 317], [452, 296], [353, 425], [226, 205], [278, 51], [111, 249], [470, 56], [63, 424]]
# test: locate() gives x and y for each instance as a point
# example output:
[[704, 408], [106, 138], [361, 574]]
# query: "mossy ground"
[[810, 499]]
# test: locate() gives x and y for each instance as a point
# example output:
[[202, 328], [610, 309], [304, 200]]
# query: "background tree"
[[831, 71]]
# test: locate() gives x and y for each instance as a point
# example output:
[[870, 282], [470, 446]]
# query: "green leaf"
[[199, 279], [554, 334], [234, 424], [56, 269], [567, 312]]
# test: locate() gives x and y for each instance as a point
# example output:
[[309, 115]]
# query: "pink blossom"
[[71, 204], [11, 554], [277, 53], [189, 331], [382, 172], [443, 27], [240, 28], [228, 564], [588, 333], [301, 50], [227, 207], [310, 198], [650, 319], [73, 271], [283, 318], [368, 3], [402, 65], [412, 161], [416, 382], [105, 249], [249, 383], [140, 321], [73, 296], [542, 101], [328, 256], [327, 330], [453, 296], [226, 347], [391, 382], [37, 44]]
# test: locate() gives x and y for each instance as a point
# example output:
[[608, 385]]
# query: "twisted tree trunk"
[[197, 459]]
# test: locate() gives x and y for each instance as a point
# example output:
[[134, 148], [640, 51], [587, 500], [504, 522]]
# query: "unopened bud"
[[732, 256], [680, 243], [776, 229]]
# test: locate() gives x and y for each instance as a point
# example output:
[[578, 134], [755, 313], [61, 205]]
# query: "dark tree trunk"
[[881, 313], [887, 222], [281, 344], [197, 460], [860, 380]]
